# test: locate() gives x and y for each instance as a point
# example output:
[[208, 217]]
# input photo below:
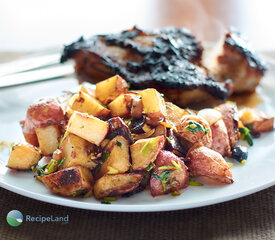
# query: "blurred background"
[[31, 25]]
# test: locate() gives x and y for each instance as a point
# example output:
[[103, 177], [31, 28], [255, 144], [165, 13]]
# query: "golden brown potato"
[[193, 129], [257, 120], [84, 103], [68, 182], [121, 106], [90, 128], [48, 138], [23, 157], [206, 162], [153, 105], [43, 112], [75, 151], [87, 90], [107, 90], [117, 157], [174, 113], [145, 151], [115, 185]]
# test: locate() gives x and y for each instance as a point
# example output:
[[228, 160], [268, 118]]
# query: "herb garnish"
[[118, 143], [163, 177], [245, 134], [60, 163], [106, 155], [177, 166], [79, 192], [150, 167], [194, 127]]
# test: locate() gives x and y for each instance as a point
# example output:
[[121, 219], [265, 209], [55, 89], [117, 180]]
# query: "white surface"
[[256, 174]]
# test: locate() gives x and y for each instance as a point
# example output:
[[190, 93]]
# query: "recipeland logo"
[[15, 218]]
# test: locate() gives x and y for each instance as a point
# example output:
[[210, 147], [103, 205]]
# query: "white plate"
[[255, 175]]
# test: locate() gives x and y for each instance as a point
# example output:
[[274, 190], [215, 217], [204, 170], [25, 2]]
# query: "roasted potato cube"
[[84, 103], [153, 104], [206, 162], [107, 90], [230, 117], [43, 112], [115, 185], [48, 138], [220, 139], [176, 174], [145, 151], [118, 159], [23, 157], [70, 181], [121, 106], [193, 129], [257, 120], [88, 91], [90, 128], [75, 151], [174, 113]]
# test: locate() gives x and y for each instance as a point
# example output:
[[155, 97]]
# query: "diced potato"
[[121, 106], [114, 185], [153, 104], [258, 120], [70, 181], [174, 113], [48, 138], [118, 160], [90, 128], [206, 162], [87, 90], [84, 103], [145, 151], [75, 151], [43, 112], [107, 90], [177, 177], [23, 157]]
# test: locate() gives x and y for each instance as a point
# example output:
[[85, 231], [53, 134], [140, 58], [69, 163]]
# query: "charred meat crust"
[[167, 59], [234, 40]]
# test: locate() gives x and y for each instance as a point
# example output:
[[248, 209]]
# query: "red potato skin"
[[43, 112], [203, 161], [220, 139], [230, 117], [194, 137], [164, 158]]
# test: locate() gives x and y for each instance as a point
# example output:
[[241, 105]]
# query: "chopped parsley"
[[118, 143], [150, 167], [177, 166], [163, 177], [105, 202], [60, 163], [245, 134], [79, 192], [104, 106], [194, 127], [106, 155]]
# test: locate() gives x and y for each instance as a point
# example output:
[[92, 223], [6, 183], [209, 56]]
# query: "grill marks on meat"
[[237, 61], [167, 59]]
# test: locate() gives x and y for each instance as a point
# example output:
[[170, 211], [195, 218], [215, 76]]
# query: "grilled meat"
[[168, 60], [234, 59]]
